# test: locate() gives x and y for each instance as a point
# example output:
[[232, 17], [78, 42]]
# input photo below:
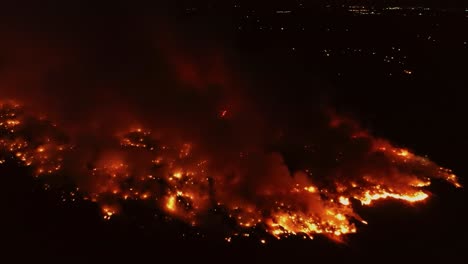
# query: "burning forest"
[[255, 188], [117, 112]]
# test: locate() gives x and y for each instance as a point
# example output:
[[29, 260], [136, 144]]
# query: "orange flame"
[[184, 180]]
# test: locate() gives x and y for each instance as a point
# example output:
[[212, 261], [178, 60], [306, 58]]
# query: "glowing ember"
[[178, 175], [311, 189], [108, 212], [344, 200], [183, 182], [170, 205], [223, 113]]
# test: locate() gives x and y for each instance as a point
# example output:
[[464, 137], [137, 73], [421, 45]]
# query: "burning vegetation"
[[255, 189]]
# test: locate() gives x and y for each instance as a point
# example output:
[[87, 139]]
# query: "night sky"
[[400, 73]]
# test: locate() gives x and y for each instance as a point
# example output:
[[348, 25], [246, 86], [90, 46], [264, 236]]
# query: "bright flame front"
[[182, 182]]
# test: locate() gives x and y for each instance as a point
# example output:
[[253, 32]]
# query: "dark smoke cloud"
[[99, 69]]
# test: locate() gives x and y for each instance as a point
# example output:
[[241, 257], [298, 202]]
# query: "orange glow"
[[369, 197], [185, 181], [344, 200], [108, 212], [177, 174], [403, 153], [171, 203], [311, 189]]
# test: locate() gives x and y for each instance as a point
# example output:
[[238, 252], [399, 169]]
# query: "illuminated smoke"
[[160, 123], [254, 187]]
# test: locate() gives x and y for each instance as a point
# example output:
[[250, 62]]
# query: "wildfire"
[[182, 182], [369, 197]]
